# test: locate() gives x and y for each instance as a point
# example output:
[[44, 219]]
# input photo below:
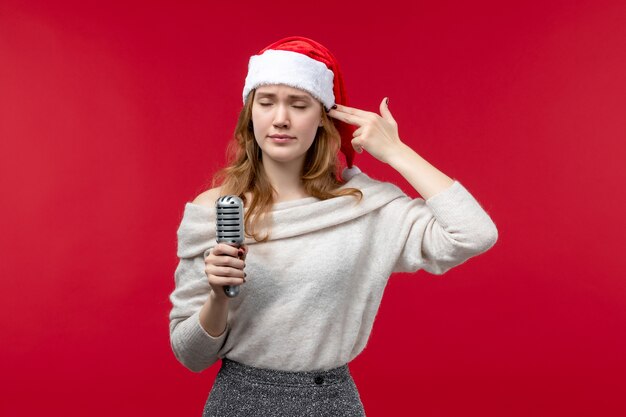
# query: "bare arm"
[[425, 178], [213, 315], [224, 266]]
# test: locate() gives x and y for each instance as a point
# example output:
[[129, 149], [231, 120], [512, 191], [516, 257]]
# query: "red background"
[[113, 115]]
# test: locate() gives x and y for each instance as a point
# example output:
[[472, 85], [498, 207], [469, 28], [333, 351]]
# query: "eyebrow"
[[290, 96]]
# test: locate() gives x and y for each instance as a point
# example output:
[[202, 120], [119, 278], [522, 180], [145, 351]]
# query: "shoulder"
[[371, 186], [208, 198]]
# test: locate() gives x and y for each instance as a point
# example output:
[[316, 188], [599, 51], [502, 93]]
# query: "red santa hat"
[[305, 64]]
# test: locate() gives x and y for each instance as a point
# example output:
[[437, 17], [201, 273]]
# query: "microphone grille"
[[229, 226]]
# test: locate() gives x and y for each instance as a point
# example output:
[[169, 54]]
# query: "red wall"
[[112, 116]]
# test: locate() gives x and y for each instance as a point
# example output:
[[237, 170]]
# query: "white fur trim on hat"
[[292, 69], [348, 173]]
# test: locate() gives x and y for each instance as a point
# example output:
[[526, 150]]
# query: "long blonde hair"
[[321, 176]]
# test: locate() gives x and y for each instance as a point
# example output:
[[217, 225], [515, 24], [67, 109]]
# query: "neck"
[[285, 178]]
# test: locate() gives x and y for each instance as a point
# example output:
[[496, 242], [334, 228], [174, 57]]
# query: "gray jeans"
[[241, 390]]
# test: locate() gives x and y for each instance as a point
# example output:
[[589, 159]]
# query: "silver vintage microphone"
[[229, 228]]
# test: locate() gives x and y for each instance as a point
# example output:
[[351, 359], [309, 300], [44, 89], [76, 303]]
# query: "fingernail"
[[334, 106], [387, 101]]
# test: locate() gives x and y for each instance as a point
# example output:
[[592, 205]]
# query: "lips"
[[281, 138]]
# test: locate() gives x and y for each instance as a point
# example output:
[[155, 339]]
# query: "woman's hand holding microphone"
[[225, 266]]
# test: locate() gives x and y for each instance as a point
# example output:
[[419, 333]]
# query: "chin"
[[282, 158]]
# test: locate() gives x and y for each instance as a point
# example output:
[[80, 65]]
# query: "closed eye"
[[269, 104]]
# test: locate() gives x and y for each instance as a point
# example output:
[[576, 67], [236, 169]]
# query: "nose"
[[281, 116]]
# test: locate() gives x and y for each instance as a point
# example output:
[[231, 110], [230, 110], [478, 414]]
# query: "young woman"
[[321, 241]]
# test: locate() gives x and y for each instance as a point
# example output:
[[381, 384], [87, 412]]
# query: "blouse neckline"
[[348, 174]]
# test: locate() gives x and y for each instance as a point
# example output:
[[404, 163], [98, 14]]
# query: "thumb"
[[384, 110]]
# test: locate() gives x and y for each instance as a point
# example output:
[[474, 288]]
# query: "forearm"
[[214, 314], [425, 178]]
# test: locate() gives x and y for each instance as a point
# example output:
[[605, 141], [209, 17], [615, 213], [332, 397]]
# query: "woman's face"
[[280, 110]]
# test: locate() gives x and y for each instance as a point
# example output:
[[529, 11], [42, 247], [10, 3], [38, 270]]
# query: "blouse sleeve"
[[441, 232], [191, 344]]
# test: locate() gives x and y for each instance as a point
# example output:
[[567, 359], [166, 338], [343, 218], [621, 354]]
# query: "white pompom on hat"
[[303, 63]]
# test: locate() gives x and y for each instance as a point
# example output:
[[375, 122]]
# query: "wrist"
[[399, 154], [216, 299]]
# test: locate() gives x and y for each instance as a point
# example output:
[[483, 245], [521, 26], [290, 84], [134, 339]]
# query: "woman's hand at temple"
[[377, 134]]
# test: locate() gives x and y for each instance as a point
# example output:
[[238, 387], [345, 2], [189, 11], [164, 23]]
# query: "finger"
[[356, 112], [224, 249], [358, 132], [385, 112], [225, 260], [224, 271], [356, 144], [219, 280], [347, 118]]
